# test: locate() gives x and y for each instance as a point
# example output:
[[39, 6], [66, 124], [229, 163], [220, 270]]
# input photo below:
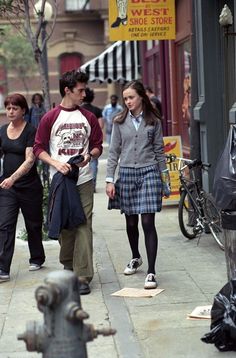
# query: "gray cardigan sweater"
[[135, 148]]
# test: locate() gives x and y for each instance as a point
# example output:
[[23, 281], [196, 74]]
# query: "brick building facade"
[[79, 35]]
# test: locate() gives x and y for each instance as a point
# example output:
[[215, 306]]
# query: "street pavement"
[[191, 272]]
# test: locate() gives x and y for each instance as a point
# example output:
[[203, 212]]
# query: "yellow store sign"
[[173, 145], [135, 20]]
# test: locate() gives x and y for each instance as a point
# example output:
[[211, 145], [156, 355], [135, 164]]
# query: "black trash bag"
[[224, 185], [228, 217], [223, 319]]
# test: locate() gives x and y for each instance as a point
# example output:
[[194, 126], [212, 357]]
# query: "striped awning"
[[119, 62]]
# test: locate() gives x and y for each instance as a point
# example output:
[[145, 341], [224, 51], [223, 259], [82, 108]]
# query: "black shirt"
[[91, 108], [157, 103], [14, 153]]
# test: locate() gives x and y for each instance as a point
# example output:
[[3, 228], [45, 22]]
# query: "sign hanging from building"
[[173, 145], [135, 20]]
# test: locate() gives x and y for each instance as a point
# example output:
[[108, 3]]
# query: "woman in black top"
[[20, 187]]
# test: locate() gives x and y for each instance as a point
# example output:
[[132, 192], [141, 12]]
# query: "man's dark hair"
[[70, 79], [114, 96], [89, 95], [149, 89]]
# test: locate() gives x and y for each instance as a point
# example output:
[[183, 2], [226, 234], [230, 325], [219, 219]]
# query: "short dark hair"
[[149, 89], [114, 96], [37, 95], [70, 79], [17, 99], [89, 95]]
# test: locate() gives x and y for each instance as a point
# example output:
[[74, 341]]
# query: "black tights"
[[150, 234]]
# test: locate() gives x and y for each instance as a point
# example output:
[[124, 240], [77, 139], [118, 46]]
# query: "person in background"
[[137, 145], [64, 132], [37, 110], [20, 187], [87, 104], [154, 100], [108, 113], [34, 116]]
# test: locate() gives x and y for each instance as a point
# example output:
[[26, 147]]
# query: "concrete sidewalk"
[[190, 273]]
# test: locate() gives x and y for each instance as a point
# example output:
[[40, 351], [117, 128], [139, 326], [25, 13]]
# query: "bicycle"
[[197, 211]]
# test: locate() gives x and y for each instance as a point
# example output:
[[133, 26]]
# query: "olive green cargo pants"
[[77, 245]]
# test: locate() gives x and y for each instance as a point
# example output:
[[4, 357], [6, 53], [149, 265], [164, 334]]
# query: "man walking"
[[108, 113], [87, 104], [65, 131]]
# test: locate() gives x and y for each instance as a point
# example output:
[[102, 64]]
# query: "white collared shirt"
[[136, 120]]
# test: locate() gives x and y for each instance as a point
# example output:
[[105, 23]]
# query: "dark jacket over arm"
[[65, 210]]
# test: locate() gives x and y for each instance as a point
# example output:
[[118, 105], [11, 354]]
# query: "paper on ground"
[[136, 292], [201, 312]]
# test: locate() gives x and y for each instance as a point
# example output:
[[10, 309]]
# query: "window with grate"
[[75, 5]]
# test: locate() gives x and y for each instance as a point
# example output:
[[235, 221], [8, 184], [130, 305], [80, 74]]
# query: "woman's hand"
[[166, 187], [7, 183], [166, 190], [110, 190]]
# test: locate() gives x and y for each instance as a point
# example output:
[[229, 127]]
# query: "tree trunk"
[[45, 84], [23, 78]]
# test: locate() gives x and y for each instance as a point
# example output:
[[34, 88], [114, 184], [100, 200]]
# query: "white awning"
[[119, 62]]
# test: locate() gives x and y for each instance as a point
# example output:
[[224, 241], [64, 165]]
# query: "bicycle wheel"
[[186, 216], [213, 217]]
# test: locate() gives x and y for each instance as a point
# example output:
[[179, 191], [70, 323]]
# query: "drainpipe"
[[195, 149]]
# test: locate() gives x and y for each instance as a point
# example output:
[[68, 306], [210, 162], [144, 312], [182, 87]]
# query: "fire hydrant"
[[63, 333]]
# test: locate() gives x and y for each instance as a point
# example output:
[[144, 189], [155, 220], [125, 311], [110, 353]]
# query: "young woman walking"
[[137, 144]]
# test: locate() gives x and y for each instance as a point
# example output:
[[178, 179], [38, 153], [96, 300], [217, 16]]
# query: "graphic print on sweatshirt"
[[69, 135], [72, 138]]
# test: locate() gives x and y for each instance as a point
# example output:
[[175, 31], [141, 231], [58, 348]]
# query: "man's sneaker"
[[84, 288], [68, 268], [34, 267], [132, 266], [150, 281], [4, 276]]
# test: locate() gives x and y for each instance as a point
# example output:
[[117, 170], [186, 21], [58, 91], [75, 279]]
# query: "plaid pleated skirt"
[[138, 191]]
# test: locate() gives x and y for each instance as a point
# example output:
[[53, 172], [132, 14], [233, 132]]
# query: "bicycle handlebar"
[[190, 163]]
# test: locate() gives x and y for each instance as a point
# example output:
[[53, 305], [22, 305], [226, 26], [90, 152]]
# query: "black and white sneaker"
[[4, 276], [150, 281], [132, 266], [34, 267]]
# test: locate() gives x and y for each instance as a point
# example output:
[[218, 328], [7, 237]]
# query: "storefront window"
[[184, 84], [152, 61], [74, 5]]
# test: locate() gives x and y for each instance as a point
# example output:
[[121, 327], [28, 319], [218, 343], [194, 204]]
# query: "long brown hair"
[[150, 114]]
